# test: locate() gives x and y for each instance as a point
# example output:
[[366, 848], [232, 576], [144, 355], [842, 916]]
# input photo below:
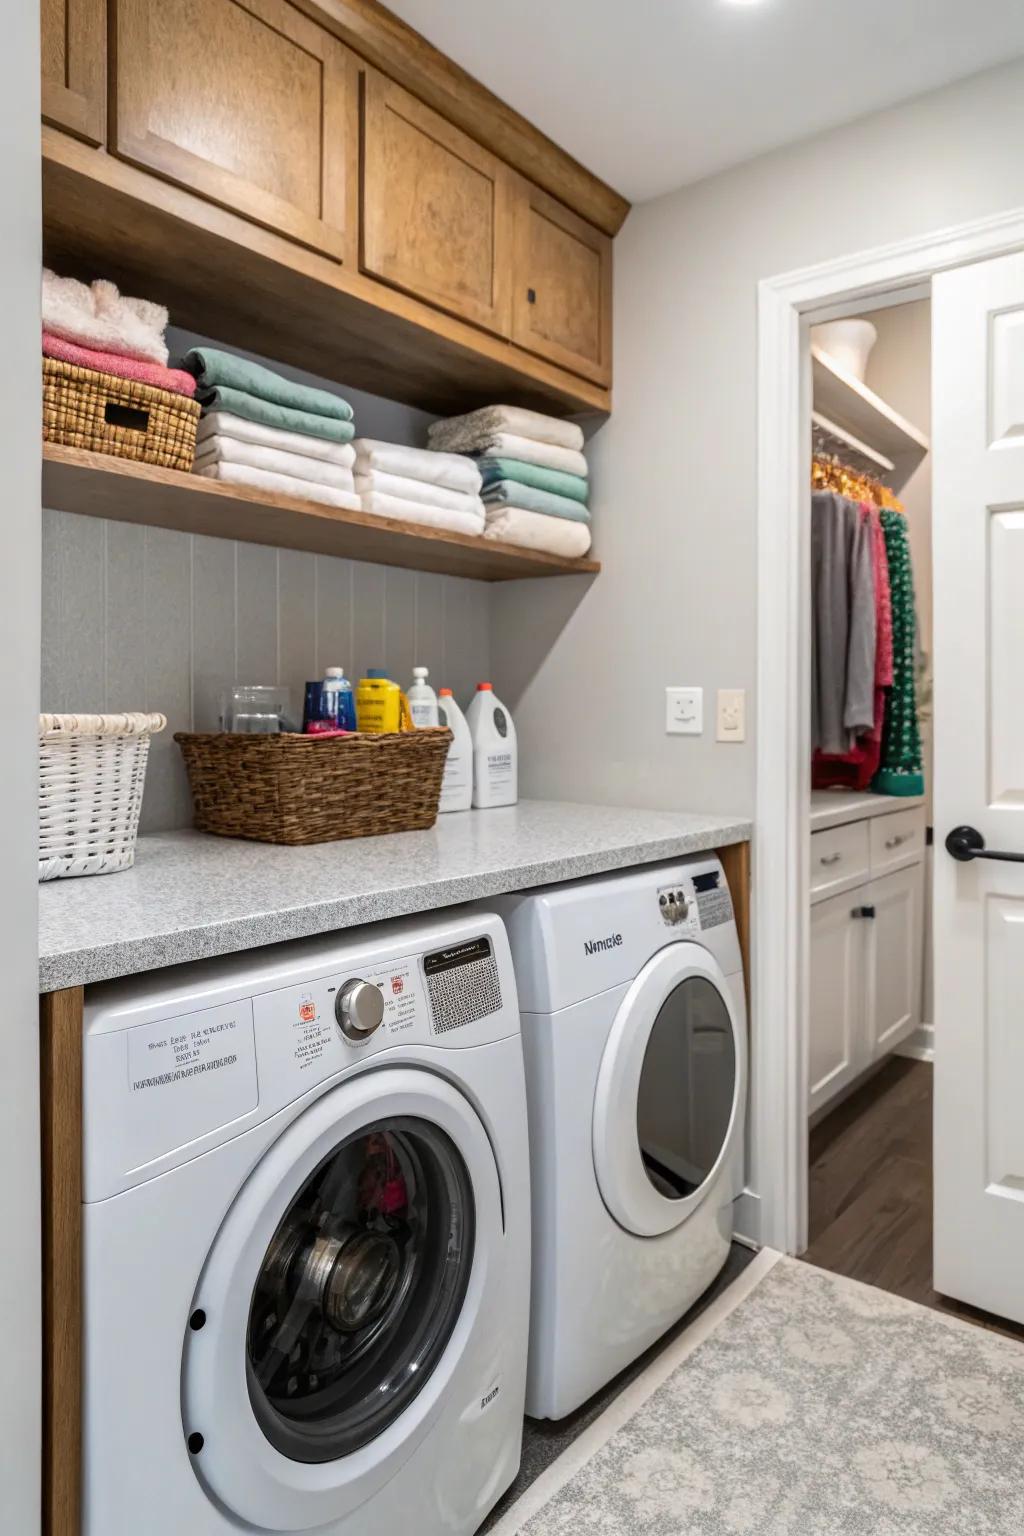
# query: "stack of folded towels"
[[262, 430], [93, 326], [415, 485], [535, 486]]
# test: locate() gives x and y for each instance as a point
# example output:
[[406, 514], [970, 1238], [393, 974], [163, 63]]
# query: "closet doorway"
[[870, 994], [860, 1106]]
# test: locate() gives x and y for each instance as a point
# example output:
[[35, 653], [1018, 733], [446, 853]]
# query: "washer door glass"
[[360, 1289], [687, 1088]]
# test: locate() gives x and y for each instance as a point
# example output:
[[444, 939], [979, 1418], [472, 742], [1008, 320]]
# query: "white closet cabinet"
[[866, 947]]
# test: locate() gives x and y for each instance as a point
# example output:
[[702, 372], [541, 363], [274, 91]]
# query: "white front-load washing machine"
[[307, 1238], [634, 1034]]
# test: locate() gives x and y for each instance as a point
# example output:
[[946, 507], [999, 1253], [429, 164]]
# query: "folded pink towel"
[[174, 379]]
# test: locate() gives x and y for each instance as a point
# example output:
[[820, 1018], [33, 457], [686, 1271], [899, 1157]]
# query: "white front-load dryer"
[[634, 1033], [307, 1239]]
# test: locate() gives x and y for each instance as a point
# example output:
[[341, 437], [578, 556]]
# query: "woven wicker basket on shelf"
[[91, 773], [308, 789], [86, 409]]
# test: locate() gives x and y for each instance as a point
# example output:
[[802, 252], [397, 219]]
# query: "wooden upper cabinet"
[[562, 286], [248, 103], [436, 208], [74, 60]]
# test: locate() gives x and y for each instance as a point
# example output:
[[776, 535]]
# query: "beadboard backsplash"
[[146, 618]]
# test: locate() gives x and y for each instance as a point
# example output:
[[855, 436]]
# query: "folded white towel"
[[464, 434], [536, 530], [278, 485], [505, 445], [228, 450], [416, 512], [416, 490], [453, 470], [226, 424], [96, 315]]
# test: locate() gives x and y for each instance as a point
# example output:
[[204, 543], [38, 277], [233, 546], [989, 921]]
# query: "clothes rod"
[[851, 442]]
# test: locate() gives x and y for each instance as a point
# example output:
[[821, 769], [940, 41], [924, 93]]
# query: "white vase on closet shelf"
[[848, 343]]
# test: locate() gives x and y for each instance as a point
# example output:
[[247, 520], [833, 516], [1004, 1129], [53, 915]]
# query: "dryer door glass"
[[687, 1088], [360, 1289]]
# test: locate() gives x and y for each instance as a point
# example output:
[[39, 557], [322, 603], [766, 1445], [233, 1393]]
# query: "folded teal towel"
[[554, 480], [270, 415], [511, 493], [214, 369]]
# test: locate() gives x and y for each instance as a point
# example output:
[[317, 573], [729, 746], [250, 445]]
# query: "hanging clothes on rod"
[[864, 727]]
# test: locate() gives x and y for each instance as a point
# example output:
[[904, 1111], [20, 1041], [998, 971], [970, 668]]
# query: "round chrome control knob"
[[359, 1009]]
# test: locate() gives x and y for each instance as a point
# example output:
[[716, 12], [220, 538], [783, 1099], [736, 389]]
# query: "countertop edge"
[[86, 966]]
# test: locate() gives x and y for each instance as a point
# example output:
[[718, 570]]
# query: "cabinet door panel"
[[435, 208], [895, 960], [248, 103], [836, 1046], [562, 304], [74, 62]]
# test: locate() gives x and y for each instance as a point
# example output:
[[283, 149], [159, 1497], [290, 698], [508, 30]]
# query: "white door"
[[894, 959], [837, 997], [978, 441]]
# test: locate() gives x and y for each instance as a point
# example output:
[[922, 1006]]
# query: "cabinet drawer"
[[436, 208], [247, 103], [897, 840], [562, 303], [839, 859]]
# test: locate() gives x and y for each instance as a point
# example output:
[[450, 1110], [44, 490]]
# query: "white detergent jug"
[[422, 699], [495, 755], [457, 784]]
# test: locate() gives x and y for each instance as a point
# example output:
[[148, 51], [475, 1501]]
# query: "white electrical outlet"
[[732, 714], [684, 711]]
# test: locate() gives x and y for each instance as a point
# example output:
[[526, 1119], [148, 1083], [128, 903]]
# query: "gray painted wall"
[[145, 618], [585, 667], [20, 429]]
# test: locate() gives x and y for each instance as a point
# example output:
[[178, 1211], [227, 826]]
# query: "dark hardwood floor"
[[870, 1206]]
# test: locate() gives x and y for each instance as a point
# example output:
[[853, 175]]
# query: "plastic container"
[[422, 699], [495, 754], [339, 707], [256, 709], [457, 784], [378, 705]]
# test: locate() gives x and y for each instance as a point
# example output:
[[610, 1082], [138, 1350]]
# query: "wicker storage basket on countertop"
[[91, 772], [315, 789]]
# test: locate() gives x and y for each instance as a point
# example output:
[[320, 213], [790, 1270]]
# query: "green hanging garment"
[[901, 771]]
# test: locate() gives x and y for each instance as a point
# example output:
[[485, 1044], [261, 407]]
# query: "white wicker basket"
[[91, 772]]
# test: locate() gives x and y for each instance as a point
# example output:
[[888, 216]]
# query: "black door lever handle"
[[967, 843]]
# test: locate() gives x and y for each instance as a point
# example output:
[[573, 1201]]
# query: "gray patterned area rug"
[[801, 1404]]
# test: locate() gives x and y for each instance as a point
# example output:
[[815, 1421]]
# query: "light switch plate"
[[684, 711], [732, 714]]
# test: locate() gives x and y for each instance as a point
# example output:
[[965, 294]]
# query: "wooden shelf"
[[97, 485], [224, 277], [850, 405]]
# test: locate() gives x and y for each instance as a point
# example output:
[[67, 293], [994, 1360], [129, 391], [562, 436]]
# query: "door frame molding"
[[885, 275]]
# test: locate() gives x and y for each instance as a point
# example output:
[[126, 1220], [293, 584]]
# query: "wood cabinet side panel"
[[61, 1040]]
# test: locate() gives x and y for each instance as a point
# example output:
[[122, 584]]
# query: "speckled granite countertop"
[[191, 896]]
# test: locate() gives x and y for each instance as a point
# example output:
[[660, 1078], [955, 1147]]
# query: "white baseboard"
[[920, 1046], [746, 1219]]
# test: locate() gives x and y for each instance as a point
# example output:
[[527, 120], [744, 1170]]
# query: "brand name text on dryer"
[[595, 946]]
